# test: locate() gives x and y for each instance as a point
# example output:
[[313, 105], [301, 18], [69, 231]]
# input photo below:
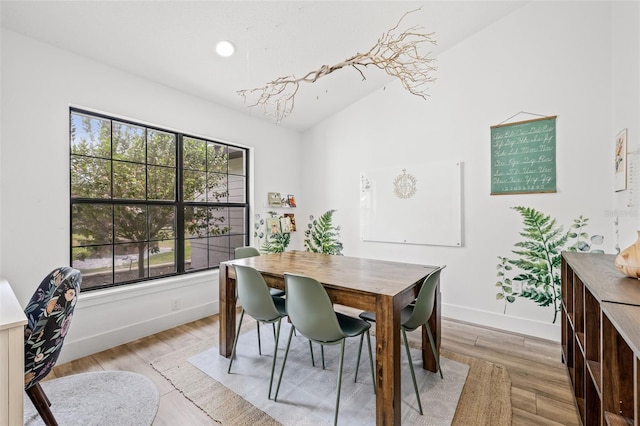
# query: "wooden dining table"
[[380, 286]]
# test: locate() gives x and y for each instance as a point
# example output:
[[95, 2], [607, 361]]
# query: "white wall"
[[541, 59], [625, 108], [39, 83]]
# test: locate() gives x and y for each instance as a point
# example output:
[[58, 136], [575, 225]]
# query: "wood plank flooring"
[[540, 393]]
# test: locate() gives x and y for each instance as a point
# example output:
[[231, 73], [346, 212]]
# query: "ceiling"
[[173, 42]]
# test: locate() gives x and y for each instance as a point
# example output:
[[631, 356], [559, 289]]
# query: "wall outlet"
[[175, 304]]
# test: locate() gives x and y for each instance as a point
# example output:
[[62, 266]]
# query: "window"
[[149, 203]]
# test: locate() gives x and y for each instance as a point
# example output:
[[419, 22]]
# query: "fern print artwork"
[[321, 236], [535, 273]]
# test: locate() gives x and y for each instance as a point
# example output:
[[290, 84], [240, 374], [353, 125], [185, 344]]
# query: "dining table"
[[380, 286]]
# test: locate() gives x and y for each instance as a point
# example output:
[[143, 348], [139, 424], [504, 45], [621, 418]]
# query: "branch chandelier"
[[395, 53]]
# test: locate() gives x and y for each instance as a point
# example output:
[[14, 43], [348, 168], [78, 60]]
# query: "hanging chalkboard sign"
[[523, 157]]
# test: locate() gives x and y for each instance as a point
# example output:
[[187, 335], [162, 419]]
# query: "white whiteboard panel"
[[414, 204]]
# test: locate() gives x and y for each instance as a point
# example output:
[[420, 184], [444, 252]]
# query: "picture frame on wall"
[[274, 199], [273, 225], [620, 161], [288, 222], [291, 200]]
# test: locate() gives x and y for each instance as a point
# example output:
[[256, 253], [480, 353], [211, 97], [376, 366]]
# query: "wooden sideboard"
[[600, 325], [12, 322]]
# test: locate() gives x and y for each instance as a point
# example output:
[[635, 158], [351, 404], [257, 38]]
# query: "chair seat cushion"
[[352, 326], [405, 313], [276, 292], [280, 305]]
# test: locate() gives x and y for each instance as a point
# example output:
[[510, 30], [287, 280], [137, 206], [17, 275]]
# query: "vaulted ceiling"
[[173, 42]]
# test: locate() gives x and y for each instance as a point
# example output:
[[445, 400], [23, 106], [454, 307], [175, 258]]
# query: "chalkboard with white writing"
[[523, 157]]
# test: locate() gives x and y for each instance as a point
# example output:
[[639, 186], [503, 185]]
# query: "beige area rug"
[[485, 397]]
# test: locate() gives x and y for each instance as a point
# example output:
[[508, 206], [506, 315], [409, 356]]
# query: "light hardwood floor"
[[540, 392]]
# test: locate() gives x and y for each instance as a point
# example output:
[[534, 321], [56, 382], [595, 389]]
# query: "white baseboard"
[[510, 323], [115, 337]]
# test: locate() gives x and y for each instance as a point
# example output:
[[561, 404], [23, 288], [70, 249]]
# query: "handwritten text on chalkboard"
[[523, 157]]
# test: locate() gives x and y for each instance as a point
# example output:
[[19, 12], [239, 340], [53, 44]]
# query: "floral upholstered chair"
[[49, 314]]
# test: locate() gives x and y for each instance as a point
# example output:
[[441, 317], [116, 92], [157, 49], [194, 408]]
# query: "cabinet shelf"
[[596, 376], [600, 323]]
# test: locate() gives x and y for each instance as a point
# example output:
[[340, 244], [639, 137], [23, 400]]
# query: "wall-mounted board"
[[420, 204], [523, 157]]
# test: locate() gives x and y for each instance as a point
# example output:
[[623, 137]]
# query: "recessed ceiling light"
[[225, 48]]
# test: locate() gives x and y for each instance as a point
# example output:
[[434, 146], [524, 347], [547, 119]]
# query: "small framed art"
[[274, 199], [273, 225], [620, 161], [291, 200]]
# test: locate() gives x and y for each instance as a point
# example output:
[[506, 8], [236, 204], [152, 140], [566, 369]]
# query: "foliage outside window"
[[148, 203]]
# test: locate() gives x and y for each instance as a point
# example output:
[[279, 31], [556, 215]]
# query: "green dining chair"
[[248, 251], [256, 301], [311, 313], [416, 315]]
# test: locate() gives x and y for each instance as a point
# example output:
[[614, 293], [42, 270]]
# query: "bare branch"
[[396, 54]]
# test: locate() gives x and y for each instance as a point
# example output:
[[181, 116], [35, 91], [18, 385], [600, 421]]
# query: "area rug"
[[485, 397], [98, 398], [308, 394]]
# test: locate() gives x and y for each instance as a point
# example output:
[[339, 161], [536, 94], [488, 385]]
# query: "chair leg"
[[322, 352], [373, 374], [235, 342], [313, 361], [41, 403], [436, 355], [335, 418], [284, 361], [275, 353], [413, 374], [259, 346], [358, 360]]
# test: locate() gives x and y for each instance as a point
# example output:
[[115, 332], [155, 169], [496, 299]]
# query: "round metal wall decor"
[[405, 185]]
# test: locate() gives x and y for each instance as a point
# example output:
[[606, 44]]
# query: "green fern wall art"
[[321, 236], [535, 273]]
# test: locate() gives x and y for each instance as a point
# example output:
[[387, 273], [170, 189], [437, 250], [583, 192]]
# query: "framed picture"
[[291, 200], [291, 220], [620, 161], [273, 225], [285, 224], [274, 199]]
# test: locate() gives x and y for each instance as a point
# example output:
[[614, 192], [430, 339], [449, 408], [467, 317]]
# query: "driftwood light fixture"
[[395, 53]]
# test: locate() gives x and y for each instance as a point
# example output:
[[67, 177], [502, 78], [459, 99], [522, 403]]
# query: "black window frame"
[[178, 203]]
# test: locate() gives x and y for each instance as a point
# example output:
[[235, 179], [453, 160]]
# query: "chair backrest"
[[310, 309], [425, 301], [253, 294], [242, 252], [49, 314]]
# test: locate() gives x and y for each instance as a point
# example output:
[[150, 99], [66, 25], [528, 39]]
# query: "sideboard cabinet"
[[600, 326], [12, 322]]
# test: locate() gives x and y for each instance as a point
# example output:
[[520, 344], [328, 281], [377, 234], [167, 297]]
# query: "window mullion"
[[180, 243]]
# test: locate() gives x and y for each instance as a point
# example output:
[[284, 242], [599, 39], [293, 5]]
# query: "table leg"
[[388, 402], [428, 360], [227, 291]]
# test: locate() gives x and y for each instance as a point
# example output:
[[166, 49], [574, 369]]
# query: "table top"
[[371, 276]]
